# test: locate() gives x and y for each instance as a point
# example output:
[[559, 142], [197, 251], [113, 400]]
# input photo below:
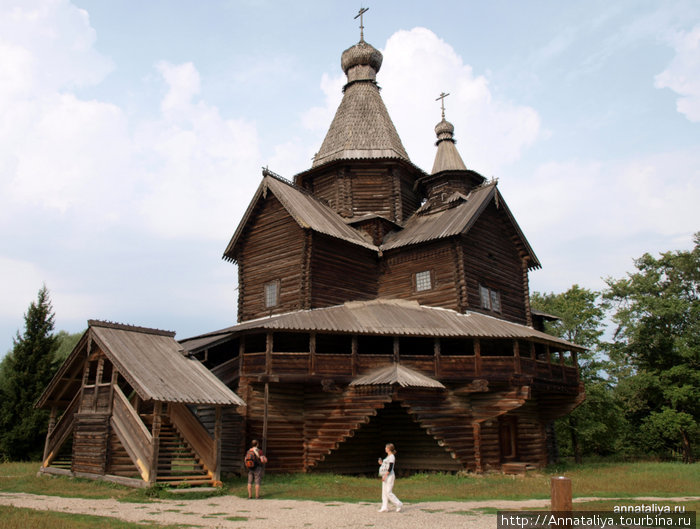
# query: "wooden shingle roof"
[[304, 208], [390, 317], [153, 363]]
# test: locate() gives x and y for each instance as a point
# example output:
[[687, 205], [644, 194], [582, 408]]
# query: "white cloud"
[[683, 74], [491, 132], [589, 219], [418, 66]]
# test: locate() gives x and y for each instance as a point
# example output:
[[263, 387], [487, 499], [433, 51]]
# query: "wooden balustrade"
[[196, 434], [452, 366], [132, 433], [61, 430]]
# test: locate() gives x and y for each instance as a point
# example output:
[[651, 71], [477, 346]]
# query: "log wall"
[[341, 272], [273, 250], [90, 442], [491, 259], [399, 269]]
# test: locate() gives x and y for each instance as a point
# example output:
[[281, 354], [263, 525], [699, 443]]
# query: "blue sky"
[[133, 134]]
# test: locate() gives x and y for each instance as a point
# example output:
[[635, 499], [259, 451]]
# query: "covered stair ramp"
[[150, 436]]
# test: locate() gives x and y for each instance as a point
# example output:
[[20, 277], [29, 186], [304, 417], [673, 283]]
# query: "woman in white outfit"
[[386, 471]]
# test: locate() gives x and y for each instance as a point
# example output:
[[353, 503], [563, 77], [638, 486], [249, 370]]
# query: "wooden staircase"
[[178, 464]]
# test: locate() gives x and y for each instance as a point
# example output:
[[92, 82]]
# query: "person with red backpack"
[[254, 463]]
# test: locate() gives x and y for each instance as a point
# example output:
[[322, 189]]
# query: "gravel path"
[[234, 512]]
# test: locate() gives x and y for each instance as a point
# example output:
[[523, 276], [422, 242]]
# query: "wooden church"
[[376, 303]]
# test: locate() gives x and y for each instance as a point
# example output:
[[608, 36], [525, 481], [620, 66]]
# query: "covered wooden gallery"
[[125, 406], [327, 388]]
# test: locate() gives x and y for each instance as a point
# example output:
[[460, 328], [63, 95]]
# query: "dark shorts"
[[255, 475]]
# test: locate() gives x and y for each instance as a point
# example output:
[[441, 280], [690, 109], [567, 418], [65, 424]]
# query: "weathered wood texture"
[[341, 272], [232, 435], [400, 267], [273, 251], [90, 437], [491, 259]]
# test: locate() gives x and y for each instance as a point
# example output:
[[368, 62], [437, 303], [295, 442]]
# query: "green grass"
[[599, 479], [19, 518], [593, 479]]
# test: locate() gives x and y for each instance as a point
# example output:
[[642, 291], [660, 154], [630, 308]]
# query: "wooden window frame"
[[487, 302], [266, 297], [418, 281]]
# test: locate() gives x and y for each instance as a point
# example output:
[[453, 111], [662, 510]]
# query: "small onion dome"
[[444, 131], [364, 55]]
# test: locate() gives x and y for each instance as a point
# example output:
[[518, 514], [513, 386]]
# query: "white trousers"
[[387, 492]]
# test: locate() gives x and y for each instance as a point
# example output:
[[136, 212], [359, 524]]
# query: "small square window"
[[423, 281], [272, 291]]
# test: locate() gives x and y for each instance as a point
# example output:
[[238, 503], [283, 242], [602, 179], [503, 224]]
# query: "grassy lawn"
[[602, 480], [18, 518]]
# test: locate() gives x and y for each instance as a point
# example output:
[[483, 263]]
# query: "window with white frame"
[[424, 281], [490, 299], [272, 294]]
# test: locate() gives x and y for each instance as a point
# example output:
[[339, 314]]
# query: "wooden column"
[[98, 380], [574, 359], [312, 353], [265, 416], [241, 354], [533, 353], [561, 365], [155, 447], [113, 383], [396, 349], [268, 353], [436, 353], [549, 358], [217, 443], [516, 357], [477, 447], [52, 425], [354, 359], [477, 356]]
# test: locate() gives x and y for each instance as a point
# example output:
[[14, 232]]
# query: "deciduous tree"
[[657, 312]]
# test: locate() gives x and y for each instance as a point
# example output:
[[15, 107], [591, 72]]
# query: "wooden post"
[[549, 359], [155, 447], [354, 358], [477, 356], [241, 355], [52, 425], [533, 352], [574, 359], [266, 403], [98, 380], [516, 357], [436, 352], [312, 353], [561, 494], [217, 444], [477, 447], [268, 353], [396, 349]]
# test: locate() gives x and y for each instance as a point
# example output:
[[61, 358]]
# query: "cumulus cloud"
[[683, 74], [418, 66], [620, 207], [491, 131]]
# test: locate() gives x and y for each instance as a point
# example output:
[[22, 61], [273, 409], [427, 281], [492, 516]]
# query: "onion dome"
[[447, 157], [361, 128], [361, 62]]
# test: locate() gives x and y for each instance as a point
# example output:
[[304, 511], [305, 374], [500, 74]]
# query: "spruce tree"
[[28, 369]]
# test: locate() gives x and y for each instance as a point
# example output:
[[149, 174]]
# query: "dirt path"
[[234, 512]]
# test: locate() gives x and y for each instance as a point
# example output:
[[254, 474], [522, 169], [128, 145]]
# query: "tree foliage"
[[593, 427], [27, 370], [657, 313]]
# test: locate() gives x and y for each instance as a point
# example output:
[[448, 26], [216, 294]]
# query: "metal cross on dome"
[[441, 98], [362, 11]]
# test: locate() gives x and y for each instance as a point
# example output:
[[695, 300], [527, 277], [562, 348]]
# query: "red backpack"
[[251, 459]]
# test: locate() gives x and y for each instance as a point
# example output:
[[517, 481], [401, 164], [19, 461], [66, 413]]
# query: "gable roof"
[[153, 363], [421, 228], [306, 210], [397, 374], [393, 317]]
